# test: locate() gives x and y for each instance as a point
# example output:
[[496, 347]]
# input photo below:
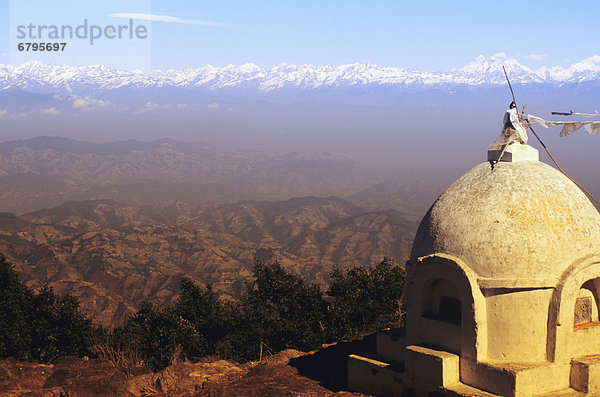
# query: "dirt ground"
[[287, 373]]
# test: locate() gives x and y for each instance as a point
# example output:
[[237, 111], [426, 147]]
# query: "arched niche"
[[441, 301], [445, 306], [571, 335]]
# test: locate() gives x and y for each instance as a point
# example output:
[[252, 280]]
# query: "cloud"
[[157, 107], [87, 104], [500, 55], [5, 114], [4, 54], [535, 57], [169, 19], [148, 107], [152, 106], [51, 111]]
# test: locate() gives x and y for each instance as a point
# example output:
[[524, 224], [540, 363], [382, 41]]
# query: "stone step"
[[460, 389], [585, 374], [371, 376]]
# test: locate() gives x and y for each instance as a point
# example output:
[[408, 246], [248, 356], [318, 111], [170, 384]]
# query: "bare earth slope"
[[112, 256], [114, 223], [276, 376]]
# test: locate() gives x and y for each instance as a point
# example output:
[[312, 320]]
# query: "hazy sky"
[[425, 35], [428, 35]]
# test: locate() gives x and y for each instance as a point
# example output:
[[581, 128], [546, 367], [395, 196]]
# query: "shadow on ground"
[[329, 366]]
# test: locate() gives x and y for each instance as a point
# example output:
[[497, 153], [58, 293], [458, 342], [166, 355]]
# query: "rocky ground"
[[287, 373]]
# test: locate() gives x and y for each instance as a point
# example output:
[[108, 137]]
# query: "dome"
[[520, 225]]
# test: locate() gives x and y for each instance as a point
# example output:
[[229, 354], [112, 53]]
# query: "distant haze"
[[410, 124]]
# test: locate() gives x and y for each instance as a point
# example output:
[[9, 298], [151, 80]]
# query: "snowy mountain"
[[37, 77]]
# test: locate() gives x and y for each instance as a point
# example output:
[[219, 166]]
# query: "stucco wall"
[[517, 323]]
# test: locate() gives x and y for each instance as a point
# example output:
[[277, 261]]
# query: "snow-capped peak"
[[39, 77]]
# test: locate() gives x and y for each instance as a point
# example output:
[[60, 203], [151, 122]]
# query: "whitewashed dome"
[[521, 224]]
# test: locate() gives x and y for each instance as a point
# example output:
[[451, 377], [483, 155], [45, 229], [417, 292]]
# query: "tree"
[[365, 299], [159, 336], [278, 308], [58, 328], [15, 305], [39, 326], [211, 317], [283, 310]]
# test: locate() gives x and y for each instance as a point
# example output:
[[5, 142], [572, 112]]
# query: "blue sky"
[[428, 35]]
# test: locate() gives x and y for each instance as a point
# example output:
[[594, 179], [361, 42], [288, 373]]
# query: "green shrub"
[[58, 327], [212, 318], [365, 299], [39, 326], [160, 336], [282, 310], [278, 308], [15, 308]]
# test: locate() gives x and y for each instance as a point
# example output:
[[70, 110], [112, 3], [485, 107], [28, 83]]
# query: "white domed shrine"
[[502, 290]]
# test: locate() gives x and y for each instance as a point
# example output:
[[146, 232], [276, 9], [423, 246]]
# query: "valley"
[[114, 224]]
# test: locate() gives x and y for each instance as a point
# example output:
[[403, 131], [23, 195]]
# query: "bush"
[[284, 310], [39, 326], [159, 336], [197, 325], [58, 327], [15, 308], [365, 299], [212, 318], [278, 309]]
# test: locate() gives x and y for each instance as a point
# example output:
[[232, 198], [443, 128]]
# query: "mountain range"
[[45, 171], [118, 222], [37, 77], [112, 256]]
